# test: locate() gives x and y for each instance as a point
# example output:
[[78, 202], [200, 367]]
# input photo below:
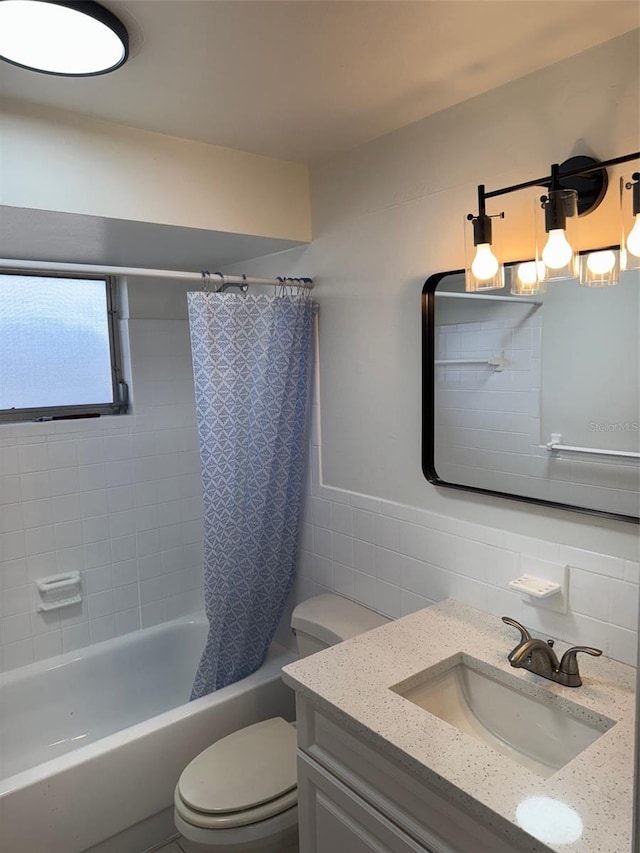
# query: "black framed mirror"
[[534, 398]]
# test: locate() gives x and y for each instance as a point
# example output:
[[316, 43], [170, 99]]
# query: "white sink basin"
[[479, 701]]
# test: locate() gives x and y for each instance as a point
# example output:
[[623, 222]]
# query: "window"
[[59, 348]]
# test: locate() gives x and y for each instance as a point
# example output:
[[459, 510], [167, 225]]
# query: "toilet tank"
[[328, 619]]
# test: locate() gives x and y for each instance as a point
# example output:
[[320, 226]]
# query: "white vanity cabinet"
[[354, 799], [335, 819], [378, 771]]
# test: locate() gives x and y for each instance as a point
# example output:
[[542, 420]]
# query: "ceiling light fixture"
[[67, 39], [573, 189]]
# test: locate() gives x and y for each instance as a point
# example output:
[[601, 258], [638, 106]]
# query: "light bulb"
[[485, 264], [530, 272], [633, 240], [600, 263], [558, 252]]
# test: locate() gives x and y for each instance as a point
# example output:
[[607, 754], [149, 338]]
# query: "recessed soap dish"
[[536, 587], [58, 591]]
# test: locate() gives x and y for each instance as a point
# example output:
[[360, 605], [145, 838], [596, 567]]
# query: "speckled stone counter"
[[353, 679]]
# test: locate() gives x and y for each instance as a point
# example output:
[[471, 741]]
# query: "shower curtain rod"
[[215, 280]]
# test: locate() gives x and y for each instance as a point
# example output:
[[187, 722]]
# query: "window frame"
[[120, 405]]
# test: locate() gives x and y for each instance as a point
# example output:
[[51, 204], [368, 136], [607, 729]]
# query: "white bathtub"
[[92, 742]]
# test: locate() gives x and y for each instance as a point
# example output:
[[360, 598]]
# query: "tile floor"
[[175, 846], [171, 847]]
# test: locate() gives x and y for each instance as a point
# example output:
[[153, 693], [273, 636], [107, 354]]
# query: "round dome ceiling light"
[[67, 39]]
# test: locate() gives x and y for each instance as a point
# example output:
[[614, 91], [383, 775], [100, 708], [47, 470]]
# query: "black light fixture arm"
[[635, 186], [547, 180], [555, 213], [482, 230], [481, 223]]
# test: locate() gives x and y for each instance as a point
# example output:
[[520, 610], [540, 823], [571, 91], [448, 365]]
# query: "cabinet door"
[[425, 814], [332, 819]]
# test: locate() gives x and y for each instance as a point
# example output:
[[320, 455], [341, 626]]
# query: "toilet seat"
[[246, 777], [273, 835], [206, 820]]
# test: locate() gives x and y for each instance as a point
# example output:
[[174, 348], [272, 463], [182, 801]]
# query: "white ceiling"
[[303, 80]]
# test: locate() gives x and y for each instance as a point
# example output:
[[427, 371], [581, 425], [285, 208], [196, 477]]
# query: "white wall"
[[117, 498], [385, 217], [391, 213], [591, 344], [54, 160]]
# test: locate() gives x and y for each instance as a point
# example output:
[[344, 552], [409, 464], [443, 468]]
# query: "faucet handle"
[[525, 635], [569, 663]]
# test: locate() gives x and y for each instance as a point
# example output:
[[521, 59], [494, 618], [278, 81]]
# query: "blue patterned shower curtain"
[[251, 362]]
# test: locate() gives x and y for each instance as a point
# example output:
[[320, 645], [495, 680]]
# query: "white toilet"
[[240, 795]]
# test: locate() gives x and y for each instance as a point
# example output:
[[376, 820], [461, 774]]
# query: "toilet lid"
[[243, 770]]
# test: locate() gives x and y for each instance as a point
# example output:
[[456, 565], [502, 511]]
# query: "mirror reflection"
[[537, 396]]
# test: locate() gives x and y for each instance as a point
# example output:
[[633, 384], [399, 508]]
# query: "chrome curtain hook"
[[244, 287], [206, 280], [221, 276]]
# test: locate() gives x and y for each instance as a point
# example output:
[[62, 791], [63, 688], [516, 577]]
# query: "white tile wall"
[[117, 498], [120, 500], [397, 559]]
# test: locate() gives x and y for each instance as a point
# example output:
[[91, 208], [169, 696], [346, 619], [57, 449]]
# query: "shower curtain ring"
[[221, 275], [206, 280], [244, 287]]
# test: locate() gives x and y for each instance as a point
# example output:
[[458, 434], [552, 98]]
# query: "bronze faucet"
[[538, 656]]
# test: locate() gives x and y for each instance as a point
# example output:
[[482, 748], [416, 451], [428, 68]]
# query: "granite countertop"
[[353, 680]]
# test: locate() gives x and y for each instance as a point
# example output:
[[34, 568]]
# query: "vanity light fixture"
[[600, 268], [484, 270], [61, 38], [557, 230], [630, 216], [573, 189], [528, 279]]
